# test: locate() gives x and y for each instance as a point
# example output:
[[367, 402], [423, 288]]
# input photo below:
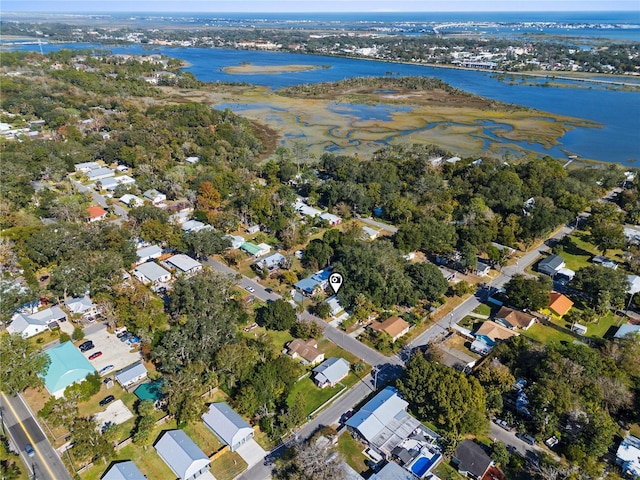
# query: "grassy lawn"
[[635, 430], [461, 344], [483, 309], [352, 451], [446, 472], [145, 458], [277, 339], [205, 438], [594, 329], [470, 322], [546, 335], [580, 251], [314, 396], [263, 439], [229, 465], [12, 458], [330, 349]]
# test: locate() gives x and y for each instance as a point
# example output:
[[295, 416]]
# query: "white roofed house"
[[131, 201], [30, 325], [271, 262], [369, 233], [148, 253], [86, 167], [236, 240], [330, 372], [184, 264], [331, 218], [155, 197], [182, 455], [100, 173], [227, 425], [131, 375], [81, 305], [151, 272]]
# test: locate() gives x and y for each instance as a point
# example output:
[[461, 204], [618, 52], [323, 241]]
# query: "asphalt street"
[[23, 429]]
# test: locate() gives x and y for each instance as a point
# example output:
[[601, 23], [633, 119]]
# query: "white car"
[[250, 289], [106, 369]]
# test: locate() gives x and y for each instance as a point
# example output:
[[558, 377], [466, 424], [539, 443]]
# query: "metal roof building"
[[67, 366], [123, 471], [228, 426], [182, 455]]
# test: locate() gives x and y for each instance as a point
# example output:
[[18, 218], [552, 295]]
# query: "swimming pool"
[[423, 464]]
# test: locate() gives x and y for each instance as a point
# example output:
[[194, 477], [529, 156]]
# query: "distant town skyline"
[[281, 6]]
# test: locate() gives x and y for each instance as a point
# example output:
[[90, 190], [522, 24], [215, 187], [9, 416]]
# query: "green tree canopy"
[[23, 364], [277, 315], [528, 293]]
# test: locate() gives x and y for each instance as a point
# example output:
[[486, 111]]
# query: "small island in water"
[[246, 68]]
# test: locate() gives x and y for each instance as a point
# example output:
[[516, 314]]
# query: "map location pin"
[[335, 281]]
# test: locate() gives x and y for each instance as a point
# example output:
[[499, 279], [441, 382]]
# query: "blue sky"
[[79, 6]]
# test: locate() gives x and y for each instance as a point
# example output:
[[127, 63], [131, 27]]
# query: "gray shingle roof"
[[331, 370], [123, 471]]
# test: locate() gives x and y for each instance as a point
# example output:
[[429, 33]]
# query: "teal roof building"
[[67, 366]]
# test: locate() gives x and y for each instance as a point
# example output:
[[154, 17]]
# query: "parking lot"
[[114, 352]]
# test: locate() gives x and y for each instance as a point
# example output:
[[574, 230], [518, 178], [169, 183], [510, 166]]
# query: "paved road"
[[23, 428]]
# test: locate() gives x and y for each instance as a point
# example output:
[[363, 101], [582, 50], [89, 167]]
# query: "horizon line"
[[315, 12]]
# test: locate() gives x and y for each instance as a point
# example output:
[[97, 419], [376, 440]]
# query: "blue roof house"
[[67, 367], [228, 426], [182, 455]]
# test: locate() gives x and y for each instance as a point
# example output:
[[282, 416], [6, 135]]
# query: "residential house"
[[482, 269], [131, 201], [271, 262], [471, 460], [384, 423], [182, 455], [148, 253], [112, 182], [184, 264], [123, 471], [192, 226], [227, 425], [634, 284], [628, 329], [334, 305], [331, 218], [253, 229], [482, 345], [255, 250], [495, 331], [35, 323], [96, 213], [395, 327], [505, 250], [180, 217], [131, 375], [151, 273], [304, 209], [192, 160], [330, 372], [236, 241], [511, 318], [86, 167], [453, 160], [628, 457], [632, 234], [318, 281], [369, 233], [307, 350], [155, 197], [559, 303], [81, 305], [392, 471], [100, 173], [604, 262], [551, 265]]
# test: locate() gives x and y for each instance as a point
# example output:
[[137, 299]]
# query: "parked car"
[[250, 289], [88, 345], [525, 437], [94, 355], [106, 369], [29, 450], [106, 400]]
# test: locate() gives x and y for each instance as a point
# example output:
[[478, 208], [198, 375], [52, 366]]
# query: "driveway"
[[114, 352], [251, 452]]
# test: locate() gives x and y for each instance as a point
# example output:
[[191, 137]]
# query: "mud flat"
[[250, 68]]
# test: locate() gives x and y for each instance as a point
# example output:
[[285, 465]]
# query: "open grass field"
[[546, 335]]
